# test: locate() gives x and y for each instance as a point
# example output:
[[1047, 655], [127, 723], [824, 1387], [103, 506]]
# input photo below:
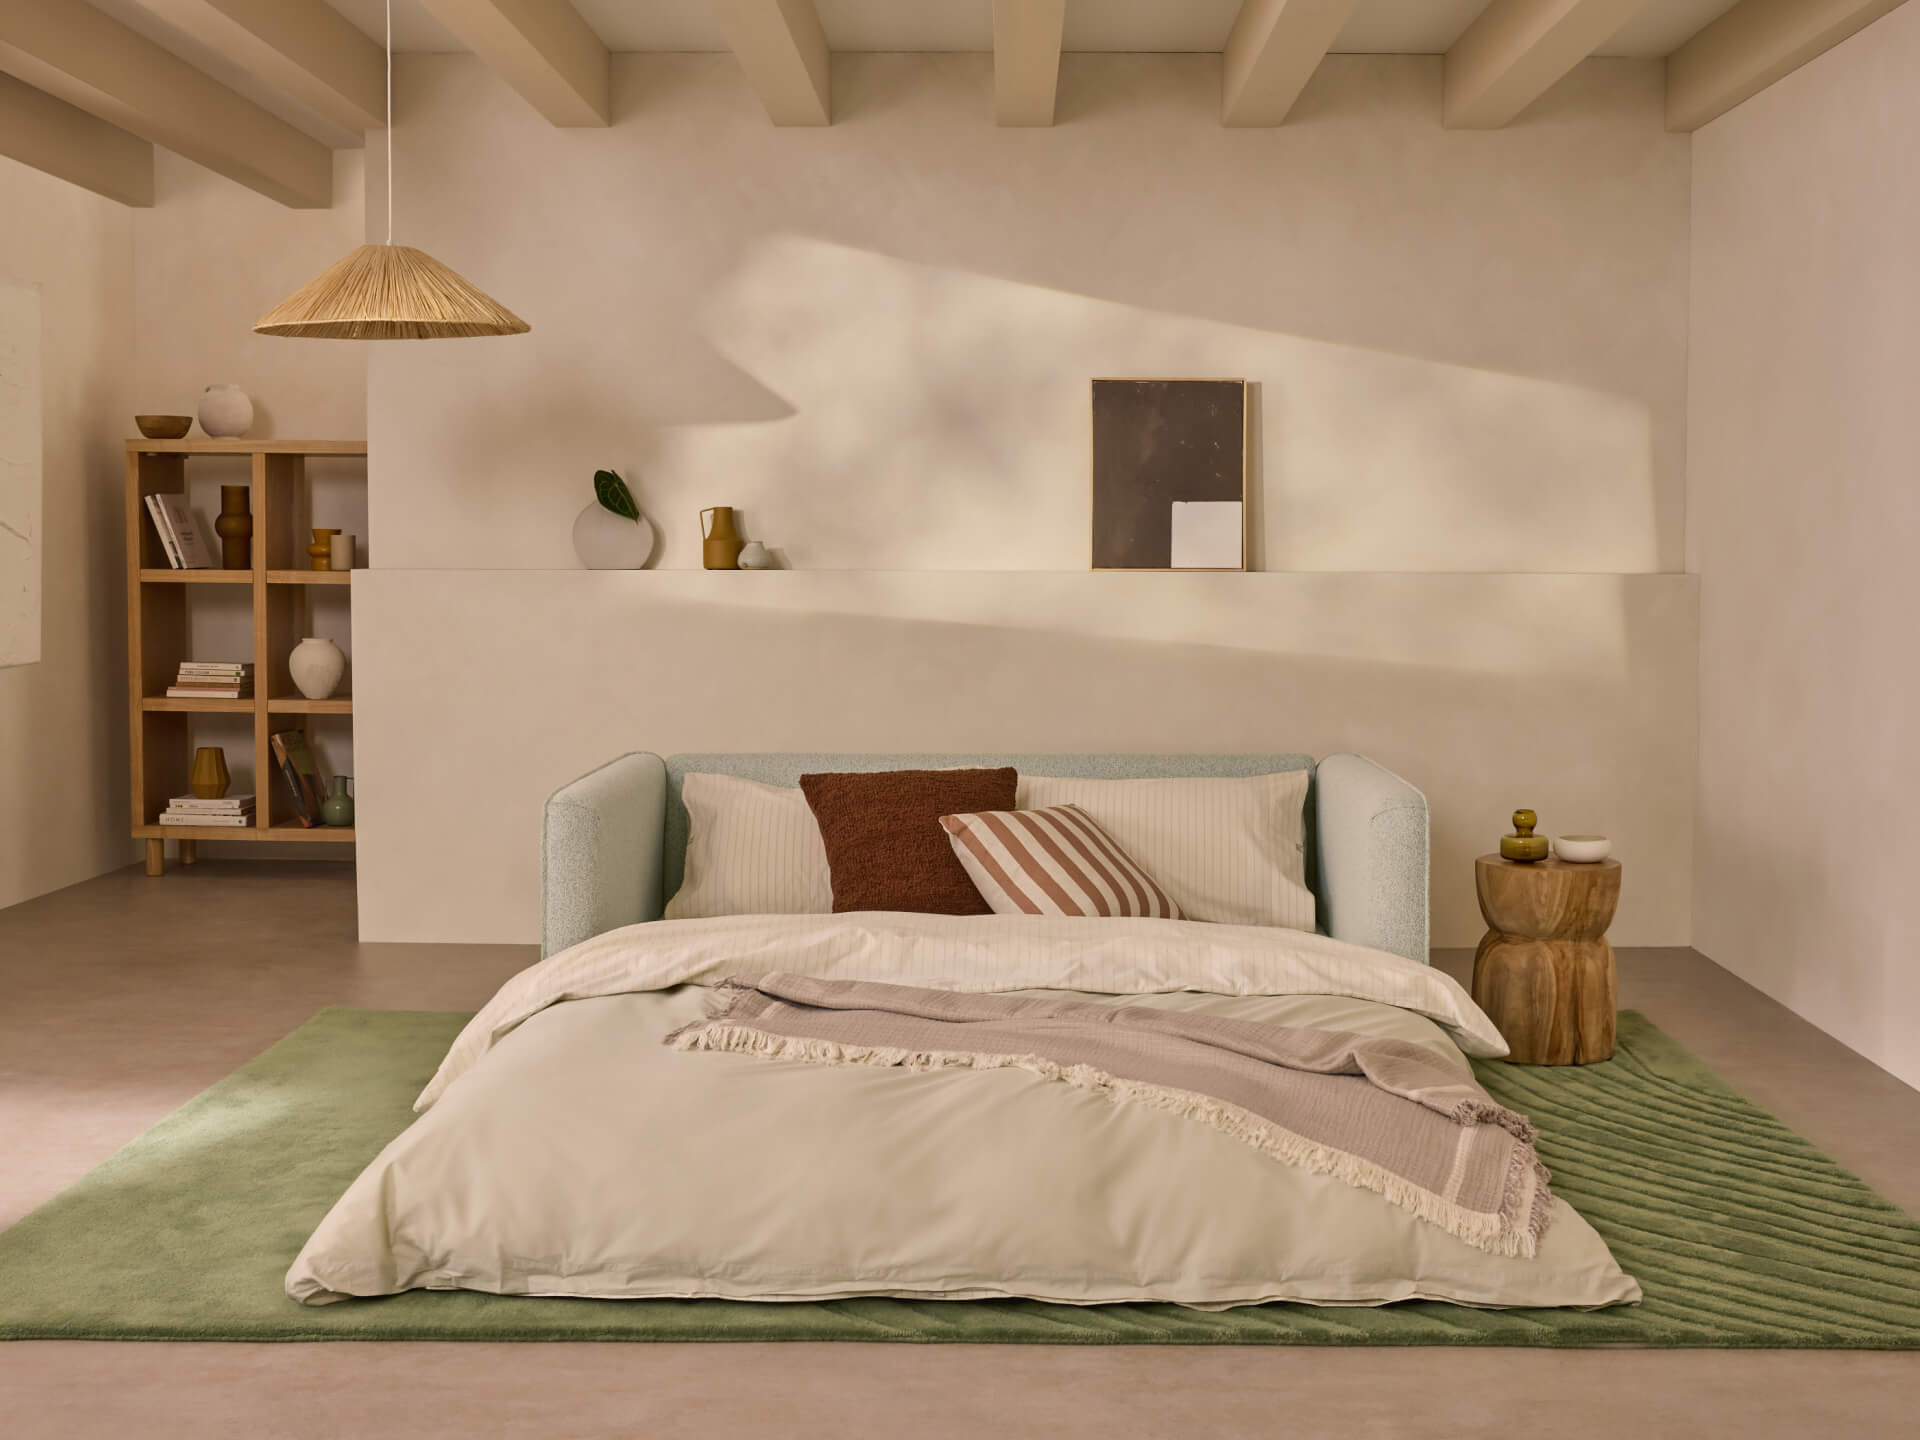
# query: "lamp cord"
[[389, 122]]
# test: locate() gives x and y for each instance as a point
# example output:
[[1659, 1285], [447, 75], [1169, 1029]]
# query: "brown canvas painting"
[[1169, 474]]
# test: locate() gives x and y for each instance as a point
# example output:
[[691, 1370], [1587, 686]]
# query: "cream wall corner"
[[63, 719], [1804, 518]]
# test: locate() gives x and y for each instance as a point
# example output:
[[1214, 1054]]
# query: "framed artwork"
[[1169, 474]]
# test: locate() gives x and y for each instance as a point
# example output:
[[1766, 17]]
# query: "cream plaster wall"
[[1803, 524], [875, 338], [63, 719]]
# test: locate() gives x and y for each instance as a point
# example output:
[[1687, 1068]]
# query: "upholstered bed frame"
[[614, 842]]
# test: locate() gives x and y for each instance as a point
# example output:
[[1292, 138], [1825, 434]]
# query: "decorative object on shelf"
[[1169, 474], [179, 532], [232, 812], [212, 680], [208, 779], [611, 533], [337, 808], [316, 666], [755, 556], [320, 552], [225, 412], [1523, 846], [163, 427], [390, 292], [295, 759], [1544, 973], [720, 542], [1582, 849], [235, 527], [340, 552]]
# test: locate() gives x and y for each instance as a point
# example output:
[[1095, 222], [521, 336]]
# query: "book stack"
[[230, 810], [180, 538], [212, 680]]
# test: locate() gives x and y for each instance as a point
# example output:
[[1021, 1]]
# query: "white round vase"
[[316, 666], [606, 541], [225, 411], [755, 556]]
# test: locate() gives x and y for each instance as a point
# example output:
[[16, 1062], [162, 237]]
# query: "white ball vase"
[[316, 666], [225, 412], [606, 541]]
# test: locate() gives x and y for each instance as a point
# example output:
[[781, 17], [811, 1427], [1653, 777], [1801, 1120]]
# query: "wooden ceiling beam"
[[1515, 52], [63, 140], [780, 44], [542, 48], [1272, 51], [75, 53], [1026, 60], [1751, 46], [304, 47]]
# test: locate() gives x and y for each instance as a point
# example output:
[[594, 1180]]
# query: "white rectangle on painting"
[[1207, 535], [19, 475]]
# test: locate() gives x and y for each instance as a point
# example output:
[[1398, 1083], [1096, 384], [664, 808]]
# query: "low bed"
[[566, 1148]]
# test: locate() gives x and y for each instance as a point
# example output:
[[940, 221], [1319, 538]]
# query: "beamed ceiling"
[[262, 90]]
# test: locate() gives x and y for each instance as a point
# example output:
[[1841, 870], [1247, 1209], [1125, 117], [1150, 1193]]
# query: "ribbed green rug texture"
[[1742, 1234]]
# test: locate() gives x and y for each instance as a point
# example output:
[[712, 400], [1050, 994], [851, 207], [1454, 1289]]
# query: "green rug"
[[1741, 1233]]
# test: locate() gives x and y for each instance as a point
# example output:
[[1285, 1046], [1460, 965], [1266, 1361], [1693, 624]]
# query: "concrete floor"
[[125, 996]]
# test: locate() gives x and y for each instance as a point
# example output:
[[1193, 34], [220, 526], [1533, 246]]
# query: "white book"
[[159, 517], [195, 692], [194, 554], [223, 802], [205, 667], [231, 822]]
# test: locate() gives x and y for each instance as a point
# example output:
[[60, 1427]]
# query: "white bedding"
[[565, 1151]]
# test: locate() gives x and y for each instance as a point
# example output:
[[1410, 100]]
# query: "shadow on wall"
[[874, 413], [605, 663]]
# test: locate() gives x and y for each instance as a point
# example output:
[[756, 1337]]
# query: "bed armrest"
[[1372, 829], [600, 851]]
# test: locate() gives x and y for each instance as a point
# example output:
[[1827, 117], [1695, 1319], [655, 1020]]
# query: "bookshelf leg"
[[156, 857], [189, 852]]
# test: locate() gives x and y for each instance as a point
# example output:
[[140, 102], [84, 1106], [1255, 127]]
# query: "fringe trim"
[[1509, 1232]]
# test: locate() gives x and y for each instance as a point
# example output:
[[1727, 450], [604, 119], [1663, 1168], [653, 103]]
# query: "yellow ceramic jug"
[[721, 545]]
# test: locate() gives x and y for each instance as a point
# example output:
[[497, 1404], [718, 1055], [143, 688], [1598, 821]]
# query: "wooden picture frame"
[[1169, 457]]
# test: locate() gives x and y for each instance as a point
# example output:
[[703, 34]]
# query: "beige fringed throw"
[[1386, 1115]]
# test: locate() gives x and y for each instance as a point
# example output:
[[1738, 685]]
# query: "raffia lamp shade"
[[390, 292]]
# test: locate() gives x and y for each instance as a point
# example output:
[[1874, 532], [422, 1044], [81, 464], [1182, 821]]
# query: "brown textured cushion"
[[883, 838]]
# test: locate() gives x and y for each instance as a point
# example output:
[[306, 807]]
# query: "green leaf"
[[612, 493]]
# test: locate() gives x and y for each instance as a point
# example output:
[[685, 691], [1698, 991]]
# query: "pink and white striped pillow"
[[1055, 861]]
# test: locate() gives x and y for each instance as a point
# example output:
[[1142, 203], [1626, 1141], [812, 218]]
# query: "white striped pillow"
[[752, 849], [1055, 861]]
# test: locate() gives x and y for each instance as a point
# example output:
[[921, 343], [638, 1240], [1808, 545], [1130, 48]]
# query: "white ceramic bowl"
[[1582, 849]]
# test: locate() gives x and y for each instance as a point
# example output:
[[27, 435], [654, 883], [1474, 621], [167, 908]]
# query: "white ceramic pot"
[[225, 411], [606, 541], [1582, 849], [755, 556], [316, 666]]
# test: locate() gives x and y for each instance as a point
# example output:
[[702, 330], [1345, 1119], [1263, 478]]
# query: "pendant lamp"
[[389, 292]]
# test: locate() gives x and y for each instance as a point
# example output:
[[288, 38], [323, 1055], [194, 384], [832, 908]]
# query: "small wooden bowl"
[[163, 427]]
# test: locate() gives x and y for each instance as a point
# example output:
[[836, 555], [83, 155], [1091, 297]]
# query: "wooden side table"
[[1544, 973]]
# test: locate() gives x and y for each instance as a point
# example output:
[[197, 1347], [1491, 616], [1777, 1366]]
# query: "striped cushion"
[[1055, 861]]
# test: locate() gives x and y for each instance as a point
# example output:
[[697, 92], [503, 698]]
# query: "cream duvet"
[[564, 1150]]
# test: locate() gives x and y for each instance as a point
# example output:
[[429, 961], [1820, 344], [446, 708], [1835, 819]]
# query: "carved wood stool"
[[1544, 973]]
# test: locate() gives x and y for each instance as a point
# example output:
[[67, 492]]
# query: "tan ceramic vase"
[[208, 778], [721, 543], [320, 553]]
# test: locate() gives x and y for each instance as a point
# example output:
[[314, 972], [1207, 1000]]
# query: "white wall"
[[876, 339], [1804, 517], [63, 719]]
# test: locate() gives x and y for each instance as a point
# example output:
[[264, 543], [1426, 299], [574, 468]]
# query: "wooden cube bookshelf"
[[278, 586]]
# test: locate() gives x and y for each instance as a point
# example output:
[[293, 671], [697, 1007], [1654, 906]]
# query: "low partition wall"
[[478, 692]]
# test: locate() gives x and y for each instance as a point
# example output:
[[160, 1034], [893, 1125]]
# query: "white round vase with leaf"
[[225, 412], [316, 666], [611, 533]]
